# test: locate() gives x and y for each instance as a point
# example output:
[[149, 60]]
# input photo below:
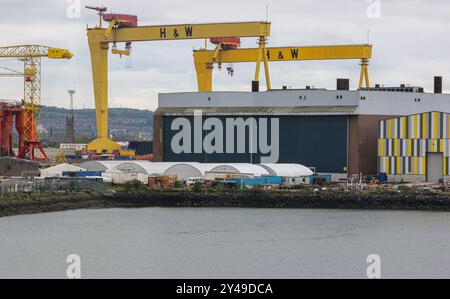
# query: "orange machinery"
[[10, 111]]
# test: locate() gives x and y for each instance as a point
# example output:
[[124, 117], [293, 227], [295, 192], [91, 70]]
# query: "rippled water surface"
[[226, 243]]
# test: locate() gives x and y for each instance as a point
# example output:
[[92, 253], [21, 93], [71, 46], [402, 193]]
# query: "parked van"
[[191, 181]]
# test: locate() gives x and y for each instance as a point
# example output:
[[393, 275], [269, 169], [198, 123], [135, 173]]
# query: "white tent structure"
[[187, 170], [57, 171], [244, 168], [183, 171], [100, 165], [287, 170], [145, 167]]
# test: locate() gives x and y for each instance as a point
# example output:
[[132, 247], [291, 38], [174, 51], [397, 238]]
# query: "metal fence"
[[16, 186], [53, 185]]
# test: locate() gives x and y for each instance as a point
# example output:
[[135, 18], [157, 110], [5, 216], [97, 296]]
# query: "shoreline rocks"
[[303, 199]]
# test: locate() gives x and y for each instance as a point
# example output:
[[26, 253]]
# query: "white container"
[[122, 178]]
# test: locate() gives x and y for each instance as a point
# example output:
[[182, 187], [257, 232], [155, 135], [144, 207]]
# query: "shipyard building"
[[334, 132], [415, 147]]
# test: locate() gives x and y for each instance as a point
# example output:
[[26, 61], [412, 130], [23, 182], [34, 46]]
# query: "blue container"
[[258, 181], [382, 177], [254, 182], [68, 174], [82, 174], [273, 180]]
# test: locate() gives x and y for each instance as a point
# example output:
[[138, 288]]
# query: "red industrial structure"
[[226, 43], [10, 111], [123, 21]]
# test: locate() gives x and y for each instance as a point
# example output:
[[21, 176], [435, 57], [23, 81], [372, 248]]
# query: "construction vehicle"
[[31, 56], [125, 29], [225, 53]]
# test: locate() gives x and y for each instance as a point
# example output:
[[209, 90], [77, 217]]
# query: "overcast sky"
[[411, 41]]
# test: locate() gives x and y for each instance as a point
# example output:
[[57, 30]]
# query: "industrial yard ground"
[[383, 199]]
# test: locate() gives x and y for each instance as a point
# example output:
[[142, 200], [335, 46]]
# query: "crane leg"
[[366, 71], [99, 61], [266, 66], [361, 78], [364, 74], [204, 72], [258, 62]]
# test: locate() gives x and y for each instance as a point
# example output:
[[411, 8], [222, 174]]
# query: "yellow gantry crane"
[[205, 59], [31, 56], [124, 29]]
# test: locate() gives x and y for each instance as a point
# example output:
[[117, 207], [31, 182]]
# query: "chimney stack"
[[438, 85], [343, 84], [255, 86]]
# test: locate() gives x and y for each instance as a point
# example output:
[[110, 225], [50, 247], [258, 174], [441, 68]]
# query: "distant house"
[[13, 167]]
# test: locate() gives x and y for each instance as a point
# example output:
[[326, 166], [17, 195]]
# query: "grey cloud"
[[410, 44]]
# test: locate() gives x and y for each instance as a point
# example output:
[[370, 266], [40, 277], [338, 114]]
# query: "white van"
[[192, 181]]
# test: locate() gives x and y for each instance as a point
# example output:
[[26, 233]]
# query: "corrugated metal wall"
[[405, 141]]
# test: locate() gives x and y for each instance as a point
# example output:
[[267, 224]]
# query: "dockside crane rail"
[[125, 29], [31, 56], [205, 59]]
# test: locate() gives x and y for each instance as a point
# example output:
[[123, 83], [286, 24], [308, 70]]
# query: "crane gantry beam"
[[121, 31], [31, 56], [188, 31], [205, 59]]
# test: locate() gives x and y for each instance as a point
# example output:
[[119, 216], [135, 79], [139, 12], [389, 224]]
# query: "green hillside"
[[124, 123]]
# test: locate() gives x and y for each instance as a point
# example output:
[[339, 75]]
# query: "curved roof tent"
[[245, 168], [184, 171], [58, 170], [100, 165], [145, 167], [287, 170]]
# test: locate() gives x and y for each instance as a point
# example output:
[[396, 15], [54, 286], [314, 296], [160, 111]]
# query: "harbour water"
[[226, 243]]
